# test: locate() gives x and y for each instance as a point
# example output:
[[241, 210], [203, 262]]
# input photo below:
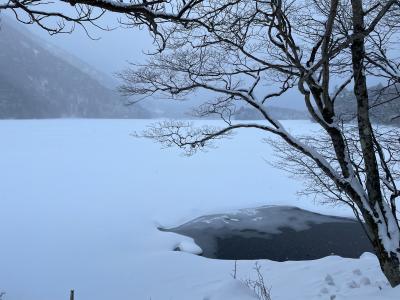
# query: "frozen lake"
[[80, 202]]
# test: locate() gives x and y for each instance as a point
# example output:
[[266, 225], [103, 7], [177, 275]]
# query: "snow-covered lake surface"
[[80, 202]]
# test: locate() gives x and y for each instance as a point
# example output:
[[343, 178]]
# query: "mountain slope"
[[36, 83]]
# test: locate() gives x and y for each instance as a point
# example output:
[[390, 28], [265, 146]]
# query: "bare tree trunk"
[[72, 295], [389, 260]]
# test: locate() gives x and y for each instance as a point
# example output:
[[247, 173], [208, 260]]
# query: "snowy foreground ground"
[[80, 201]]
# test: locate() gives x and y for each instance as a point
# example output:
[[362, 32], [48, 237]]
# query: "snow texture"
[[189, 247], [81, 201]]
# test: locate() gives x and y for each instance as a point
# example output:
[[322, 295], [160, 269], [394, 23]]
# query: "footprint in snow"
[[329, 280], [357, 272]]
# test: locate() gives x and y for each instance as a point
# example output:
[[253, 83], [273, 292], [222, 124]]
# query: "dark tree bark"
[[389, 261]]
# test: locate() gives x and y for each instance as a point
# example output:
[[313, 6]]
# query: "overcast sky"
[[108, 54]]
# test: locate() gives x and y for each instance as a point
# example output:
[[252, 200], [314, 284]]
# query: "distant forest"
[[384, 107]]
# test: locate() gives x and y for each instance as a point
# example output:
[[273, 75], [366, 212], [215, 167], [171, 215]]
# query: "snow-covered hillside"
[[80, 202], [37, 81]]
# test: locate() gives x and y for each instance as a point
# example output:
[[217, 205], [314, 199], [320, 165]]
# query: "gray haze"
[[38, 80], [111, 51], [114, 49]]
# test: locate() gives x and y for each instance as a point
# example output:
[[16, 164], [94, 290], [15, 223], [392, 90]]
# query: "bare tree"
[[250, 51], [258, 285], [62, 16]]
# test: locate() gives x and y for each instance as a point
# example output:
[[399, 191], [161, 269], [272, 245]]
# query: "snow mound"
[[189, 247], [368, 256]]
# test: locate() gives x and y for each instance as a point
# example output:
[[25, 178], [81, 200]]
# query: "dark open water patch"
[[277, 233]]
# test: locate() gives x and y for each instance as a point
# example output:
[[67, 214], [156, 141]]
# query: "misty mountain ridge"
[[280, 113], [38, 80], [384, 105]]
